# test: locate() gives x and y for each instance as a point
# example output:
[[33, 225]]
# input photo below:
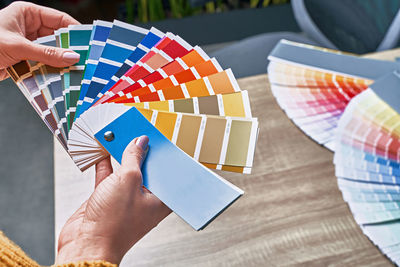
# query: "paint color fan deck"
[[367, 162], [131, 81], [313, 85]]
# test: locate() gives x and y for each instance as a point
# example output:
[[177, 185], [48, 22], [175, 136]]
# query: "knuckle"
[[101, 171], [135, 154], [16, 4], [19, 4], [138, 156], [130, 172], [49, 51]]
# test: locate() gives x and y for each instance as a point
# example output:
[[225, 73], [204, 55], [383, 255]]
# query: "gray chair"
[[357, 26]]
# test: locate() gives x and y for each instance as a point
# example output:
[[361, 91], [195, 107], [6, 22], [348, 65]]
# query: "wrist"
[[80, 250]]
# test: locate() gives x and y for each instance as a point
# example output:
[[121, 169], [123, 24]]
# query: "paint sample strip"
[[228, 168], [149, 41], [23, 75], [120, 44], [48, 82], [308, 93], [231, 105], [209, 139], [76, 38], [101, 30], [25, 70], [50, 85], [373, 126], [220, 83], [156, 58], [79, 39], [334, 62], [62, 40], [195, 57], [198, 71], [304, 76], [160, 45]]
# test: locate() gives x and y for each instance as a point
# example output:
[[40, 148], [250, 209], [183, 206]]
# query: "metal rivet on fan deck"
[[109, 136]]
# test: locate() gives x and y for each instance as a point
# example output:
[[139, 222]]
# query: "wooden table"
[[292, 212]]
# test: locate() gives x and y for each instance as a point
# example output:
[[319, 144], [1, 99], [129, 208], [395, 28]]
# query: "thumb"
[[132, 159], [53, 56]]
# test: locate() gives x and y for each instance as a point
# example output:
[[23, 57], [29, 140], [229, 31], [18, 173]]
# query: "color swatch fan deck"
[[313, 85], [132, 81], [367, 162]]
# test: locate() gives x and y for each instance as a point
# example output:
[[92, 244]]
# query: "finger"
[[103, 170], [156, 204], [32, 36], [135, 151], [132, 160], [53, 56]]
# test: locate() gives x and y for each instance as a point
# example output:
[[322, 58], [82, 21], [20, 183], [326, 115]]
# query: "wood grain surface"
[[292, 212]]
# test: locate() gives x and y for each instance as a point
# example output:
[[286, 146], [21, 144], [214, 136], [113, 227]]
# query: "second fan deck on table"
[[132, 81], [313, 85], [367, 162], [350, 105]]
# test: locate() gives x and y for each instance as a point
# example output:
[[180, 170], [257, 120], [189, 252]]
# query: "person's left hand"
[[118, 213], [22, 22]]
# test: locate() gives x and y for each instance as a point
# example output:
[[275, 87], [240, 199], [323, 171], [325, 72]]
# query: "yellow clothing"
[[11, 256]]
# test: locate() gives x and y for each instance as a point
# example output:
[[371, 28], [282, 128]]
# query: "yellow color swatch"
[[165, 123], [233, 105]]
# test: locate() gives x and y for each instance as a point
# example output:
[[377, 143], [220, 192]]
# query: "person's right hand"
[[119, 212]]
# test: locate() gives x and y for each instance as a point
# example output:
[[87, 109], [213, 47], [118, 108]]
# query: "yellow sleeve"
[[13, 256], [87, 264]]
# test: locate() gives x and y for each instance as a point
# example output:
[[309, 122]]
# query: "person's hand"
[[22, 22], [119, 212]]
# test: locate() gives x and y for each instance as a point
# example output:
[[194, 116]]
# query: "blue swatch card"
[[193, 192]]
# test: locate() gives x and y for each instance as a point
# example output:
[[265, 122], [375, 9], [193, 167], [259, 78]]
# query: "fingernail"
[[71, 57], [143, 142]]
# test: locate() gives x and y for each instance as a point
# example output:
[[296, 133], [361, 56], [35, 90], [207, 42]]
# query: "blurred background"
[[239, 33], [134, 11]]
